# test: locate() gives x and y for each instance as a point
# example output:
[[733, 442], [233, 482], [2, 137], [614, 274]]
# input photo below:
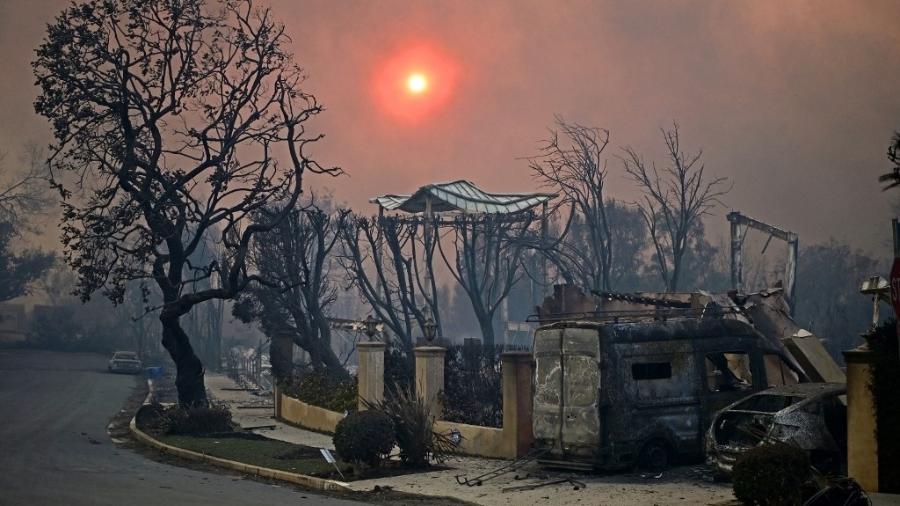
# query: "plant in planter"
[[414, 428]]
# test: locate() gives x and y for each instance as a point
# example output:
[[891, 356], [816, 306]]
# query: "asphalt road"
[[54, 446]]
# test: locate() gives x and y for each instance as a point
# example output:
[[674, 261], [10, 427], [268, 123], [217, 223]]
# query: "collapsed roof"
[[463, 197], [767, 311]]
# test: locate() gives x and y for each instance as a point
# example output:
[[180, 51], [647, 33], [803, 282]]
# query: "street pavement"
[[54, 446]]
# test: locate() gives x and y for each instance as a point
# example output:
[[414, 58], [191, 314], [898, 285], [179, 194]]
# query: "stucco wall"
[[480, 441], [308, 416], [862, 447], [509, 442]]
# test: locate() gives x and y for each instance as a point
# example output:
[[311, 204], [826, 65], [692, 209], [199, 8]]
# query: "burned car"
[[812, 416]]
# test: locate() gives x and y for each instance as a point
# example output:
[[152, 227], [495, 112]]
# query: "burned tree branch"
[[383, 261], [674, 200], [572, 164], [297, 256], [486, 261]]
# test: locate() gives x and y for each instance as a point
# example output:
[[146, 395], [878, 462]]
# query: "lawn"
[[274, 454], [262, 452]]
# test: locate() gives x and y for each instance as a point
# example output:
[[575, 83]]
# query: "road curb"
[[311, 482]]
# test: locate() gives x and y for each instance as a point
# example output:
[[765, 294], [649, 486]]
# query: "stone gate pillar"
[[430, 377], [370, 374], [862, 442]]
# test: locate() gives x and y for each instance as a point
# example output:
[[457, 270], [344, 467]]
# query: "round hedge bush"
[[364, 437], [771, 475]]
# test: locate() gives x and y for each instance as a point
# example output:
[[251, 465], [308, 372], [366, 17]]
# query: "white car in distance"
[[125, 362]]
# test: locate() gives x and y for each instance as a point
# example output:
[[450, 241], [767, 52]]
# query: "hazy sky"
[[795, 101]]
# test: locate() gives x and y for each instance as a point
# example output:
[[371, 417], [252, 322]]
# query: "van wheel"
[[655, 456]]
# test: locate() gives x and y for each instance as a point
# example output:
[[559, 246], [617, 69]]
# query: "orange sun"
[[415, 83]]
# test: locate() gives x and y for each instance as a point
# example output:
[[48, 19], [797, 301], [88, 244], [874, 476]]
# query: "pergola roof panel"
[[461, 196]]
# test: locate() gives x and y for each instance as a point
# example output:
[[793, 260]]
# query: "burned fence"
[[473, 385]]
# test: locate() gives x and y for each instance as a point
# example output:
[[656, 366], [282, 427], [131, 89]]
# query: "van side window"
[[728, 371], [651, 371], [660, 377]]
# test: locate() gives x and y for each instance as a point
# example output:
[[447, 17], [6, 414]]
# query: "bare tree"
[[487, 260], [25, 190], [571, 163], [204, 322], [388, 259], [57, 285], [297, 253], [598, 243], [673, 203], [169, 116], [19, 269]]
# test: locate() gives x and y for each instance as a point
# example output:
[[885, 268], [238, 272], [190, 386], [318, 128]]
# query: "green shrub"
[[324, 390], [198, 420], [771, 475], [364, 437], [413, 428]]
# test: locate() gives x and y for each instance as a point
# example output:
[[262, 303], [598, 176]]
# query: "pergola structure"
[[462, 197]]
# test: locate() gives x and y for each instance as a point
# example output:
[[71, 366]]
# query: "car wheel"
[[654, 456]]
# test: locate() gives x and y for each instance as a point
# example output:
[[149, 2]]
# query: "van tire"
[[655, 456]]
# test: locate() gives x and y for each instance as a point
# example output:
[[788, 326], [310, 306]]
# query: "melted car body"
[[811, 416]]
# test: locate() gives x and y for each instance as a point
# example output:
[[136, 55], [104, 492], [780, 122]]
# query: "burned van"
[[610, 395]]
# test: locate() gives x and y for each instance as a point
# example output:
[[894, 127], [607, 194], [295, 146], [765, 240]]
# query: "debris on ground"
[[576, 485]]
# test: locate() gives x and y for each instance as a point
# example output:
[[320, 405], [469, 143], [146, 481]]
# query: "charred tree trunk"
[[323, 359], [486, 323], [281, 355], [189, 368]]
